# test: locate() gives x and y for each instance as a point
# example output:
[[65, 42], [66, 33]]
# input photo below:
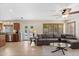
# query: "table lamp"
[[34, 32]]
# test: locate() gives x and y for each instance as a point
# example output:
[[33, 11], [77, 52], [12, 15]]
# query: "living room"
[[18, 21]]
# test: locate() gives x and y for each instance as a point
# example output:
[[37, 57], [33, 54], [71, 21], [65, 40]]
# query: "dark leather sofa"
[[68, 36], [74, 44], [46, 39], [71, 40]]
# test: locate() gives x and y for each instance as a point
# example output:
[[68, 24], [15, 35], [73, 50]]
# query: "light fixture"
[[65, 16], [66, 11]]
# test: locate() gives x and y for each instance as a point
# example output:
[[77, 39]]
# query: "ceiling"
[[33, 11]]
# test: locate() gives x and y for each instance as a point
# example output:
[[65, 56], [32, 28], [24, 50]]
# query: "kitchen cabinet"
[[16, 26], [2, 40], [0, 26], [15, 38]]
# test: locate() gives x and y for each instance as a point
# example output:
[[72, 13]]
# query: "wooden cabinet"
[[7, 38], [0, 26], [15, 38], [17, 26], [16, 35], [2, 40]]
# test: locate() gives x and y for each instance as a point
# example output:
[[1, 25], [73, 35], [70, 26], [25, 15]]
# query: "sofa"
[[46, 39], [68, 36], [74, 44]]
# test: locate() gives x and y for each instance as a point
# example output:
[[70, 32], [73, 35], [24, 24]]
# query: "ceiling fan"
[[67, 11], [64, 12]]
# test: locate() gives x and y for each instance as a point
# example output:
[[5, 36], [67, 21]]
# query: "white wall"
[[38, 24]]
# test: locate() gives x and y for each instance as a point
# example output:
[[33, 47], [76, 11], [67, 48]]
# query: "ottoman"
[[74, 44]]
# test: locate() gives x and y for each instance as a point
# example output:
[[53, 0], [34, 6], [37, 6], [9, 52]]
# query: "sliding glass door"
[[53, 28]]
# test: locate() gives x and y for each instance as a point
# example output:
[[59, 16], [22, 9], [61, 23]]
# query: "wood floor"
[[24, 49]]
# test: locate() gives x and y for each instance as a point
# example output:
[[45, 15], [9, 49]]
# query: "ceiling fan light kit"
[[67, 11], [64, 16]]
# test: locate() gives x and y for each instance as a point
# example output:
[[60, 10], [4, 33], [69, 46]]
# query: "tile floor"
[[24, 49]]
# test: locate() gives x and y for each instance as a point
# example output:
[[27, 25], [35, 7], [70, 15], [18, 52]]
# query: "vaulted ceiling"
[[33, 11]]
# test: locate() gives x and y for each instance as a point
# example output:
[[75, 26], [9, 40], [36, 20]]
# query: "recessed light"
[[10, 10]]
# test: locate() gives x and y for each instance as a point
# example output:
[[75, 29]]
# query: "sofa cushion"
[[43, 36], [56, 36], [68, 36], [49, 39], [49, 35]]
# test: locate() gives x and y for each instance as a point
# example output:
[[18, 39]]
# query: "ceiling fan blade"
[[74, 12]]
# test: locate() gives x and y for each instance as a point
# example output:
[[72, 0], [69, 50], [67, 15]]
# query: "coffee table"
[[60, 47]]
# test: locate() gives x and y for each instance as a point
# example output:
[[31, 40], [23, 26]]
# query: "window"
[[52, 28], [71, 28]]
